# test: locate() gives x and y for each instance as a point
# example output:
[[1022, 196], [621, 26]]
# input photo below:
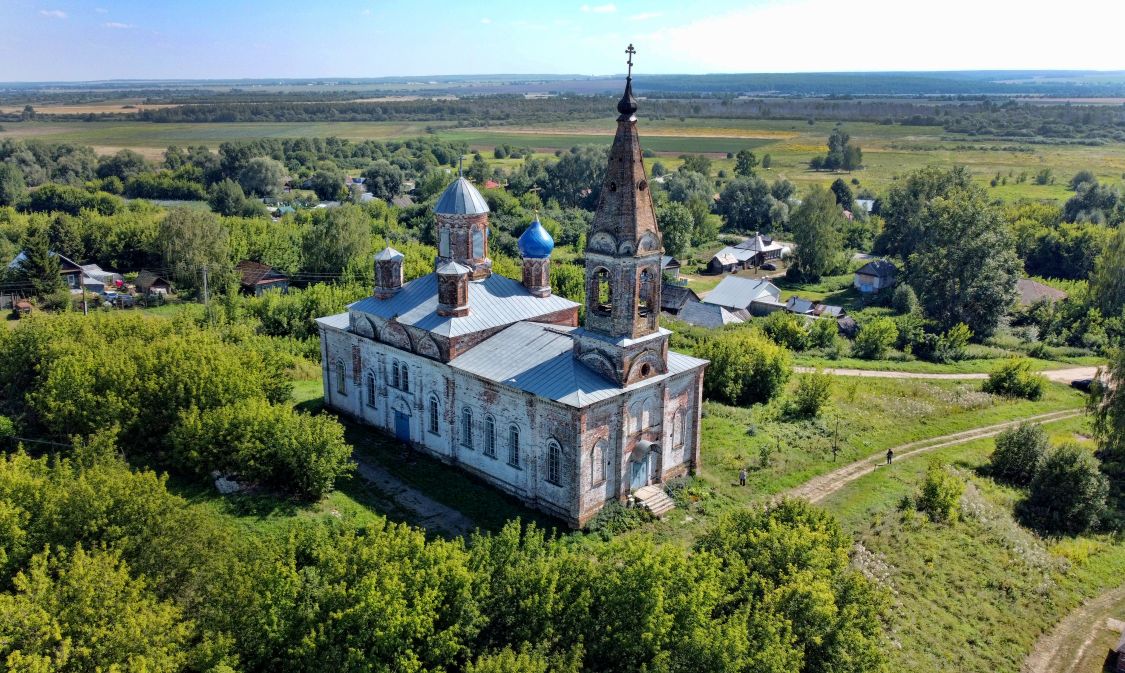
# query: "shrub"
[[904, 299], [1019, 453], [822, 333], [787, 330], [940, 498], [1068, 493], [813, 390], [259, 441], [7, 428], [875, 338], [1014, 378], [746, 367]]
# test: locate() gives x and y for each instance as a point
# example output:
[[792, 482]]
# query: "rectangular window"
[[405, 379], [514, 446], [394, 375], [370, 389], [433, 415], [554, 457]]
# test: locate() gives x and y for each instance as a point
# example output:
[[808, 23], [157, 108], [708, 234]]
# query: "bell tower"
[[621, 337]]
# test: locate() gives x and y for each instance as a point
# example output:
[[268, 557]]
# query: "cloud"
[[117, 25], [52, 13], [599, 9], [996, 39], [645, 16], [486, 20], [101, 10]]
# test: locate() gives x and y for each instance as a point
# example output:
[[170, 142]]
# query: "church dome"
[[536, 242], [461, 198]]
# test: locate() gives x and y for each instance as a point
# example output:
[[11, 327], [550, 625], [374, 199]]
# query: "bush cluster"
[[1014, 378]]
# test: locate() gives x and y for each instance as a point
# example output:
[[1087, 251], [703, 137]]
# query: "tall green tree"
[[40, 266], [676, 226], [190, 241], [965, 267], [336, 238], [744, 163], [843, 193], [816, 225], [13, 189], [1107, 404], [745, 205], [1107, 283], [328, 183], [383, 179], [903, 229], [262, 176]]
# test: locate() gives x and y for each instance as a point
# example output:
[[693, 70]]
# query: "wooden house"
[[257, 278]]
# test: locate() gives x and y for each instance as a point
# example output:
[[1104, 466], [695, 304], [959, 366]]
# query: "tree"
[[40, 266], [786, 329], [122, 165], [13, 189], [875, 339], [336, 238], [813, 390], [1014, 378], [904, 300], [903, 229], [782, 189], [695, 163], [766, 161], [74, 610], [1019, 453], [262, 176], [744, 163], [744, 204], [676, 225], [816, 226], [1083, 176], [576, 178], [328, 184], [1095, 202], [843, 193], [1107, 283], [940, 497], [965, 267], [1067, 494], [746, 367], [1107, 404], [227, 198], [190, 241], [687, 186]]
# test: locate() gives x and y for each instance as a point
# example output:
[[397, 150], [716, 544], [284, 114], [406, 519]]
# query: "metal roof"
[[338, 321], [493, 302], [540, 359], [878, 267], [707, 315], [673, 297], [388, 254], [461, 198], [737, 292]]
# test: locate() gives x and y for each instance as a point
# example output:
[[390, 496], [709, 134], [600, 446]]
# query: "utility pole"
[[82, 287], [836, 439]]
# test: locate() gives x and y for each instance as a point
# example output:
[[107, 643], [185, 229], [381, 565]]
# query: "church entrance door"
[[402, 426], [639, 475]]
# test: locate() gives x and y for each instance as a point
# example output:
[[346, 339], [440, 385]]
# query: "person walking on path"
[[742, 477], [890, 456]]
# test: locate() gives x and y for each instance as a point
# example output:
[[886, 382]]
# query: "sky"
[[77, 40]]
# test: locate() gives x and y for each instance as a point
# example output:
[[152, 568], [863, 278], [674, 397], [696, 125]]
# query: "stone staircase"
[[654, 499]]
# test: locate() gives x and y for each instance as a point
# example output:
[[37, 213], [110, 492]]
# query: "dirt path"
[[1056, 375], [427, 512], [1052, 654], [818, 488]]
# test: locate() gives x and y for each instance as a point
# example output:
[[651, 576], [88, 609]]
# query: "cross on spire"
[[630, 51]]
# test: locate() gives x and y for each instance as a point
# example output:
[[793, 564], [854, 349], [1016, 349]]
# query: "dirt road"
[[1055, 651], [1056, 375], [818, 488]]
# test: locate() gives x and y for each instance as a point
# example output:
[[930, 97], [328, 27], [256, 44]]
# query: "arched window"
[[443, 243], [648, 414], [370, 389], [489, 437], [434, 414], [514, 446], [597, 463], [645, 292], [341, 378], [394, 374], [603, 292], [478, 243], [467, 428], [554, 463], [405, 378]]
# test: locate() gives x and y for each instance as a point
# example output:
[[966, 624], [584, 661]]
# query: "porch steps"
[[655, 500]]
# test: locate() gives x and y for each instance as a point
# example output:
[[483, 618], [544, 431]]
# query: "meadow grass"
[[974, 594]]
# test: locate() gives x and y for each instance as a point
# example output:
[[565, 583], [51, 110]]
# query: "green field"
[[889, 150]]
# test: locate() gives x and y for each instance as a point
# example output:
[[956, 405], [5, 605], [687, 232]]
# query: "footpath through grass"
[[975, 594]]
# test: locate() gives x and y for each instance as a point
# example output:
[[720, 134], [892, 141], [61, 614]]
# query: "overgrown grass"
[[975, 594]]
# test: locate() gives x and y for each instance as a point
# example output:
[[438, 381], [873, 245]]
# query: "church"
[[497, 377]]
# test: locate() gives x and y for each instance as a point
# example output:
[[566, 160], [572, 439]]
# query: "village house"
[[97, 280], [149, 283], [69, 270], [673, 298], [496, 377], [711, 316], [1032, 292], [752, 252], [256, 278], [874, 276], [670, 266], [758, 297], [813, 309]]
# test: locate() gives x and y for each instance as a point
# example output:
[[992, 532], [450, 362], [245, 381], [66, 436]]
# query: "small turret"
[[453, 289], [535, 246], [388, 273]]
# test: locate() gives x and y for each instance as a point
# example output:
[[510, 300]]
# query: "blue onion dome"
[[461, 198], [536, 242]]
